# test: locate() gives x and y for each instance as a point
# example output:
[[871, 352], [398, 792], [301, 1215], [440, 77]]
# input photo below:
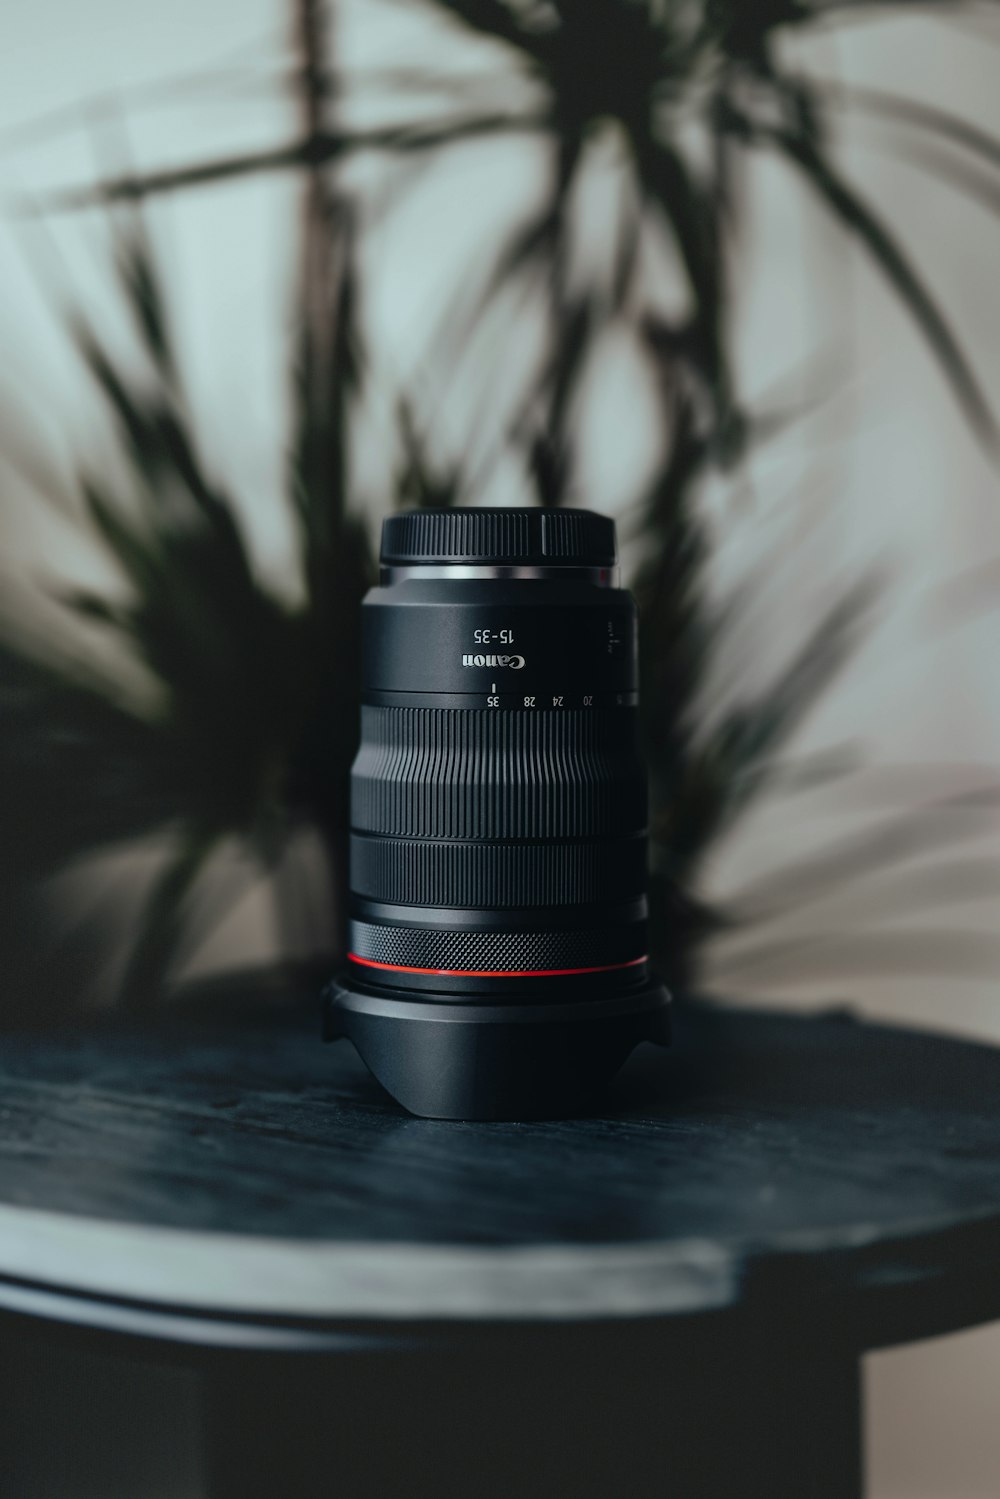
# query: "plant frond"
[[853, 213], [159, 927], [928, 119]]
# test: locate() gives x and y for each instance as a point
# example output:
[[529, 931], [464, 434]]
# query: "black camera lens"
[[497, 964]]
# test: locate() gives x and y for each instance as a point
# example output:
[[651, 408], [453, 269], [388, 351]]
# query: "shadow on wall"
[[188, 722]]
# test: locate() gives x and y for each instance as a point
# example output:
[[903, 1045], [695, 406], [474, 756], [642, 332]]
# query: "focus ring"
[[491, 875], [455, 773], [501, 953]]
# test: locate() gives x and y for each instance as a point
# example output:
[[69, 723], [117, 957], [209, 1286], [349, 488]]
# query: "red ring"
[[513, 973]]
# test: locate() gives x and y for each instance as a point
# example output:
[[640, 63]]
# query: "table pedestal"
[[710, 1407]]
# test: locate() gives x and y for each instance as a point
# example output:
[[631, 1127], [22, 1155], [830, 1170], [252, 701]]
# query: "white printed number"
[[492, 702], [588, 701], [557, 702], [529, 702]]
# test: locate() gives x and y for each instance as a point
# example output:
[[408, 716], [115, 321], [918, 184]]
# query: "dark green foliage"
[[655, 70], [245, 734]]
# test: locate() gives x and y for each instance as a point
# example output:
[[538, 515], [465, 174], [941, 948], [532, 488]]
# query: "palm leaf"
[[862, 856], [851, 211], [928, 119], [921, 952], [490, 18], [726, 773], [328, 149], [143, 295], [421, 484], [161, 922], [692, 216]]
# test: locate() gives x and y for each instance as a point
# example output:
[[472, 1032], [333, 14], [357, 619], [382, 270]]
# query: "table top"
[[226, 1167]]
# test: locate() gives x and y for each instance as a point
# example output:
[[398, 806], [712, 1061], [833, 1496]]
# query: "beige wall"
[[885, 471], [910, 487]]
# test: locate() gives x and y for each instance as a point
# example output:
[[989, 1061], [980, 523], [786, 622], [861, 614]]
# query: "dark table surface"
[[227, 1166]]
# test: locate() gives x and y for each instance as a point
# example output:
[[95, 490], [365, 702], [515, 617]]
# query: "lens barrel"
[[497, 964]]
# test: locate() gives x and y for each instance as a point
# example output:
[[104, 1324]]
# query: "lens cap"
[[535, 536]]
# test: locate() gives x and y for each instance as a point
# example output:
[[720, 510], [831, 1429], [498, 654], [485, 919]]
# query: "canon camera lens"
[[497, 964]]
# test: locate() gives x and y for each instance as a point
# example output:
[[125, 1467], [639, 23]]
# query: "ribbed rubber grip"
[[497, 875], [453, 773], [485, 535]]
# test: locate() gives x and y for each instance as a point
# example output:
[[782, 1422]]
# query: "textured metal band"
[[498, 954]]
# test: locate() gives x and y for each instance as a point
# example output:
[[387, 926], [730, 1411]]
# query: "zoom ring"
[[497, 953], [495, 875], [455, 773]]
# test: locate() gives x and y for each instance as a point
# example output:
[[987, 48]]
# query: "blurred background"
[[270, 270]]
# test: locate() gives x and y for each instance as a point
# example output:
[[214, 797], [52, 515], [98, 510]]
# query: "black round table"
[[670, 1297]]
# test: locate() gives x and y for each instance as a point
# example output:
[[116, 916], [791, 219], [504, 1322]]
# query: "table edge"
[[181, 1273]]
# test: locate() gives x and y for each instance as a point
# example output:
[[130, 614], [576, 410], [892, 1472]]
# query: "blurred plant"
[[689, 87], [253, 732], [246, 732], [242, 734]]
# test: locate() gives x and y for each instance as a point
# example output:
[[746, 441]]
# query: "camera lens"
[[497, 964]]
